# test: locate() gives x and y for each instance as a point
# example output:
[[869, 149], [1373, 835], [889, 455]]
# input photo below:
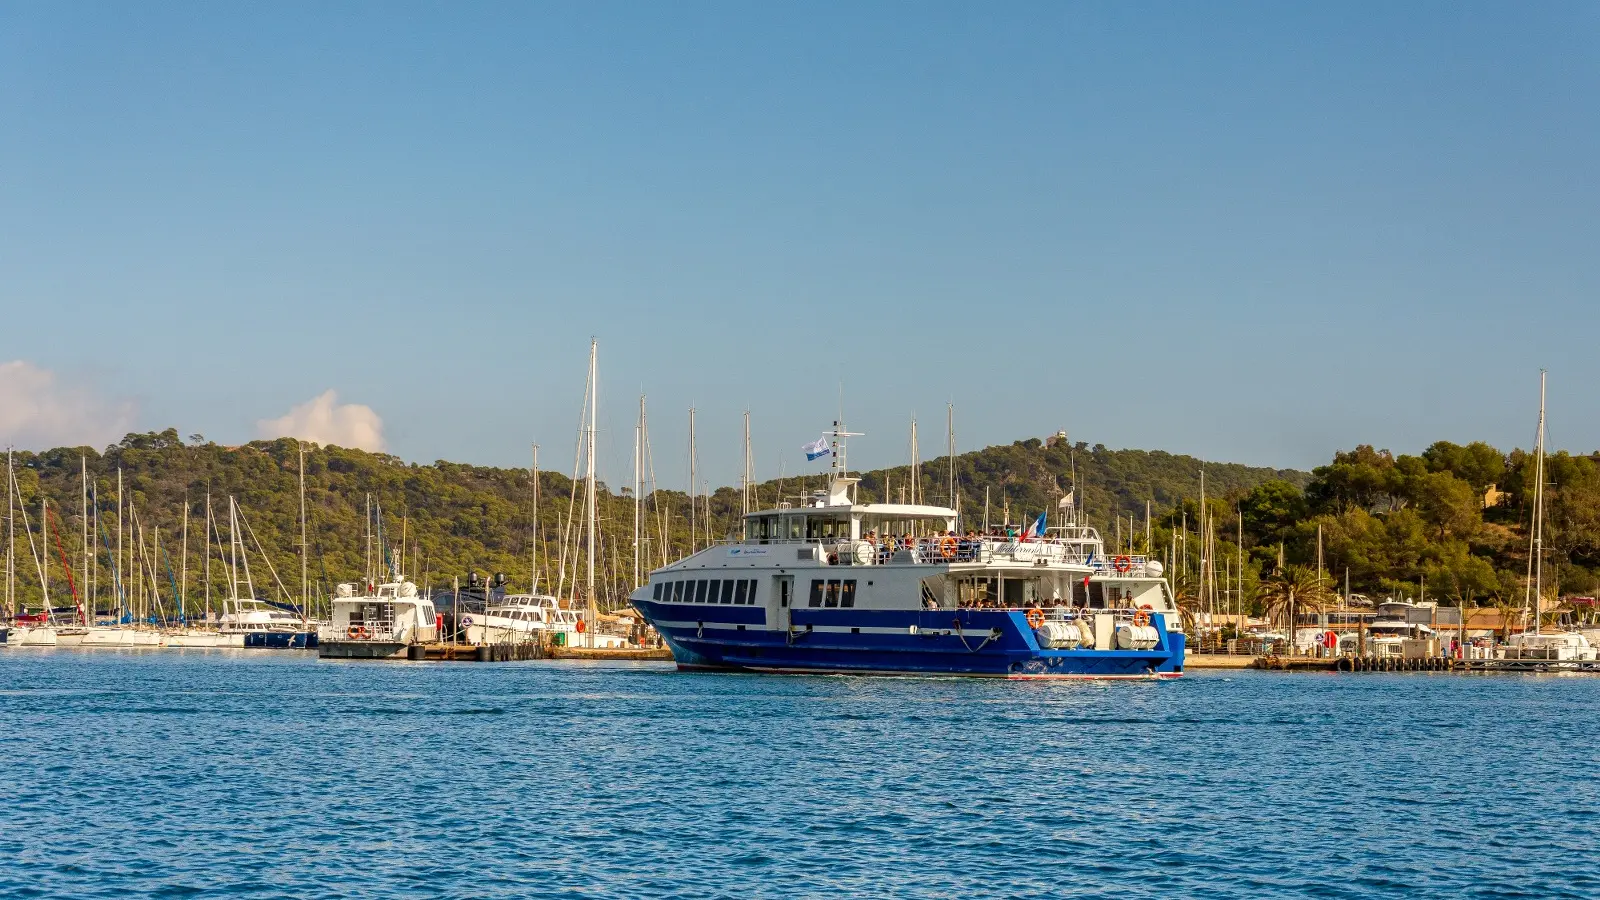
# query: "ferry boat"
[[822, 588]]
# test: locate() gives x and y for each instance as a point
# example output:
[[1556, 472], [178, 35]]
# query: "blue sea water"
[[240, 774]]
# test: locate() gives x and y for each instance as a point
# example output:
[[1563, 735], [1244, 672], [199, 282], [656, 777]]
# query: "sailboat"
[[1537, 641], [26, 630], [249, 620]]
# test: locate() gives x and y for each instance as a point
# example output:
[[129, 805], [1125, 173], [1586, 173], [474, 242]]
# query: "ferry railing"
[[984, 550]]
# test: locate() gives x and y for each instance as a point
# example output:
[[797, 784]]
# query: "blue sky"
[[1254, 232]]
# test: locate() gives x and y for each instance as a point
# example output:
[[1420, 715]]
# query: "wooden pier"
[[1422, 664], [526, 650]]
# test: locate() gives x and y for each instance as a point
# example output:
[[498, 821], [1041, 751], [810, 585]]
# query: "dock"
[[526, 650], [1419, 664]]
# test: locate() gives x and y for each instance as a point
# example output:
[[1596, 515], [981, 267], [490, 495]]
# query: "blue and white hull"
[[836, 586], [961, 642]]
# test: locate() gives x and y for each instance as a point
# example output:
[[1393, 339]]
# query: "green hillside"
[[1394, 522]]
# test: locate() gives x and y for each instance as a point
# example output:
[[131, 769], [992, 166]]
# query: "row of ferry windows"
[[833, 593], [726, 591], [795, 528]]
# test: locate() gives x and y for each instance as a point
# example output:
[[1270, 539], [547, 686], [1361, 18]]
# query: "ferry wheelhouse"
[[823, 587]]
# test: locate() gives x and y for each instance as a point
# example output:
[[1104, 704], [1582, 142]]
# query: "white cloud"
[[38, 410], [324, 420]]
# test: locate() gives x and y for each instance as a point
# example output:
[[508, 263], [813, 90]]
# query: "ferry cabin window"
[[797, 527], [677, 592], [819, 529], [727, 593], [656, 591], [700, 592], [739, 592], [832, 594]]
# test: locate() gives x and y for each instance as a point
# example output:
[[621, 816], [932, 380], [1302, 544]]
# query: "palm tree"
[[1510, 611], [1291, 589]]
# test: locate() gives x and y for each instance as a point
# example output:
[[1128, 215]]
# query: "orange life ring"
[[357, 633], [947, 547], [580, 626], [1141, 618], [1035, 617], [1122, 564]]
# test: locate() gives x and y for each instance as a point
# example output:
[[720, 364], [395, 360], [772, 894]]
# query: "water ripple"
[[266, 775]]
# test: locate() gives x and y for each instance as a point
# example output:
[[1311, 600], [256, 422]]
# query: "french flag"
[[1036, 530]]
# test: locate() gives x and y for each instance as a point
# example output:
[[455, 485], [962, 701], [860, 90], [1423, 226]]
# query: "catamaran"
[[834, 585]]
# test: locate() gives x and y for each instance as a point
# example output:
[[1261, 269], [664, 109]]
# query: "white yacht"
[[379, 623], [518, 617], [1551, 644], [1393, 625]]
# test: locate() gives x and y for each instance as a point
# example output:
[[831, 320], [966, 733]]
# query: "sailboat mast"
[[638, 490], [534, 578], [233, 549], [83, 515], [694, 507], [916, 465], [183, 592], [744, 480], [592, 612], [1538, 517], [210, 530], [367, 574], [1202, 551], [44, 538], [305, 555], [120, 566], [950, 448], [11, 541]]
